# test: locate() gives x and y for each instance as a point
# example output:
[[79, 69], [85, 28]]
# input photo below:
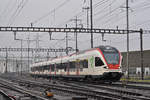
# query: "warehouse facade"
[[135, 63]]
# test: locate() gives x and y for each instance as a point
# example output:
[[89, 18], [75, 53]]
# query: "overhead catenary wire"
[[108, 18], [9, 10], [49, 13], [134, 13], [107, 14], [113, 17], [17, 12], [98, 12], [5, 9], [79, 14], [18, 7]]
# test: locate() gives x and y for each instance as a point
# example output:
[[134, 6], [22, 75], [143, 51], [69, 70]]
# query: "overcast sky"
[[58, 13]]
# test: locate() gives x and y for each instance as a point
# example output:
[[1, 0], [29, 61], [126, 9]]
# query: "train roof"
[[102, 48], [108, 49]]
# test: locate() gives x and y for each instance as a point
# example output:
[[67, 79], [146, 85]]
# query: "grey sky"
[[57, 13]]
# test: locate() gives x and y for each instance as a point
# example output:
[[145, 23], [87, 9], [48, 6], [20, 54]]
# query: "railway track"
[[31, 86], [4, 96], [24, 93], [95, 92], [59, 89], [92, 91], [136, 94]]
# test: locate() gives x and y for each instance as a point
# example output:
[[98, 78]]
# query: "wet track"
[[66, 90]]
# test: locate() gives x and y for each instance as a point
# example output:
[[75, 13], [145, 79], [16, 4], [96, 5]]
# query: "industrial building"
[[135, 63]]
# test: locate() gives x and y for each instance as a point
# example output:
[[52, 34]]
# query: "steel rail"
[[19, 89], [89, 92], [82, 91]]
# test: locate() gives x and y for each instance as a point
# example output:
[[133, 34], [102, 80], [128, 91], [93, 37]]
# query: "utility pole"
[[29, 49], [91, 8], [15, 38], [47, 56], [66, 41], [21, 56], [37, 46], [76, 35], [6, 61], [127, 13], [76, 26], [141, 44], [87, 9], [28, 52]]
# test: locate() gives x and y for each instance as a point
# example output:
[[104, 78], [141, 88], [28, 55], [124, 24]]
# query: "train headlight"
[[105, 67]]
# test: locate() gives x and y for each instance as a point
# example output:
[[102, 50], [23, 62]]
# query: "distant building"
[[135, 62], [2, 66]]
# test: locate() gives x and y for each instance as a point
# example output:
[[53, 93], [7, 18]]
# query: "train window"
[[81, 69], [32, 69], [81, 63], [98, 61], [57, 65], [40, 68], [72, 64], [64, 65], [35, 69], [74, 70], [46, 67], [85, 63], [53, 68]]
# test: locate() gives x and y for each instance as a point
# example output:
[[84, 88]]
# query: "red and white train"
[[102, 63]]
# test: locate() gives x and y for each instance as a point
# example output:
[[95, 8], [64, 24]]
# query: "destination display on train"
[[109, 50]]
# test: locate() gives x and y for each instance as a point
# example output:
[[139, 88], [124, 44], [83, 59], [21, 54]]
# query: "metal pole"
[[28, 49], [141, 44], [76, 35], [6, 60], [87, 8], [91, 8], [127, 12], [66, 41], [47, 56], [13, 63], [21, 56], [28, 54], [16, 66], [88, 17]]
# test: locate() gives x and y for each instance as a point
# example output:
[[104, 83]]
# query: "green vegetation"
[[135, 79]]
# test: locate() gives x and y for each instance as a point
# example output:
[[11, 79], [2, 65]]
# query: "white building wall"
[[2, 67]]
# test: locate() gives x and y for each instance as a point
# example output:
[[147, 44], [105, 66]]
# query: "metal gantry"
[[34, 50], [70, 30]]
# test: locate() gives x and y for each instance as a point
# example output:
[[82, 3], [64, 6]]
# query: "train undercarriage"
[[106, 77]]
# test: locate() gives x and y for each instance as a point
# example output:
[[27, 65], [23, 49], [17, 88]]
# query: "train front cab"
[[112, 59]]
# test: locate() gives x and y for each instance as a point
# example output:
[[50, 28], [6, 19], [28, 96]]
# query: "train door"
[[77, 67], [50, 70], [91, 65], [68, 70], [99, 65], [55, 69]]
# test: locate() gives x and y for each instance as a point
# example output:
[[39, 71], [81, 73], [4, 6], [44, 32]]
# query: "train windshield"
[[111, 54], [112, 58]]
